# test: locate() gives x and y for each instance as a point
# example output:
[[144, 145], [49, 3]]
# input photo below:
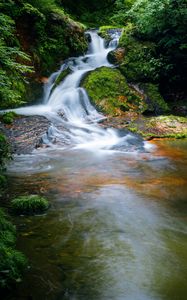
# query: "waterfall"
[[74, 120]]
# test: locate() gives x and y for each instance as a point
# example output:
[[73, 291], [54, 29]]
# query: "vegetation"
[[30, 32], [116, 96], [29, 205], [4, 157], [8, 117], [12, 262], [156, 43]]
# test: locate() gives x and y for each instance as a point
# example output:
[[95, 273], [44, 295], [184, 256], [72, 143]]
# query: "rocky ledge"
[[25, 133], [150, 127]]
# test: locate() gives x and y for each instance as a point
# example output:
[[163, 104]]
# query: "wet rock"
[[25, 133], [150, 127], [88, 37], [116, 56]]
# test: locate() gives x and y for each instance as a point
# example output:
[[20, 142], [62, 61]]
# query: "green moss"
[[110, 92], [160, 127], [8, 117], [104, 31], [29, 205], [60, 78]]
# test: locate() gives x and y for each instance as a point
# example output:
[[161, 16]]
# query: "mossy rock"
[[110, 93], [29, 205], [107, 31], [159, 127], [117, 56], [154, 100], [60, 78]]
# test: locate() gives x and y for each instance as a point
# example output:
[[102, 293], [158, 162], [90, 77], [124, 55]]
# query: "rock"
[[88, 37], [60, 78], [25, 133], [116, 56], [109, 91]]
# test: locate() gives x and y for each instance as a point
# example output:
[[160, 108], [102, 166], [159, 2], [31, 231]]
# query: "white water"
[[73, 118]]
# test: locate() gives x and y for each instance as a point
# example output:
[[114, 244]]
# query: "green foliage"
[[155, 102], [162, 24], [8, 117], [104, 31], [12, 265], [110, 92], [12, 72], [5, 224], [120, 15], [4, 151], [4, 157], [29, 205], [93, 13], [12, 262], [141, 63], [46, 36]]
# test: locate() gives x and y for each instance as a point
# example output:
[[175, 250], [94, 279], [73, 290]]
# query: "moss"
[[160, 127], [104, 32], [12, 262], [9, 117], [110, 92], [155, 102], [60, 78], [29, 205]]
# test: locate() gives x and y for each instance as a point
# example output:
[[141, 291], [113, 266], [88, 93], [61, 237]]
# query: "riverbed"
[[116, 228]]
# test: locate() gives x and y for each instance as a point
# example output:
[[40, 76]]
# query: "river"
[[116, 228]]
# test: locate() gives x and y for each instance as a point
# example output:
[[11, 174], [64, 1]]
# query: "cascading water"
[[73, 118]]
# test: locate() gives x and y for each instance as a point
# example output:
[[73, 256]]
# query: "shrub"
[[12, 262], [8, 117], [29, 205]]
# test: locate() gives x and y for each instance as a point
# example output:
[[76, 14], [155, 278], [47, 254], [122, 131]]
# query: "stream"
[[116, 228]]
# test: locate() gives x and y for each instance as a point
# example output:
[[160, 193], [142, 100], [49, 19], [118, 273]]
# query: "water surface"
[[116, 228]]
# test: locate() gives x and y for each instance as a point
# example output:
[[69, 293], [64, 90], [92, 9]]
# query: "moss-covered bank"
[[109, 91]]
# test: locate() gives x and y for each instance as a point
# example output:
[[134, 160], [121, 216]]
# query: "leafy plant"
[[9, 117], [12, 262]]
